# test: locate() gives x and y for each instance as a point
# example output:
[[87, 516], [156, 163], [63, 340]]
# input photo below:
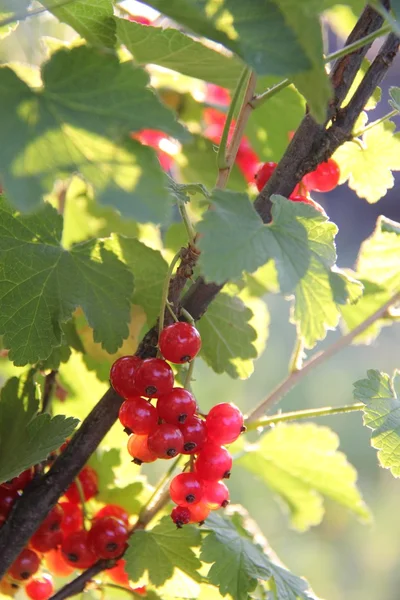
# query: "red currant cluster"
[[171, 426], [324, 179], [62, 544]]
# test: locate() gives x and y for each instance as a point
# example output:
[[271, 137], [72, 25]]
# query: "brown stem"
[[76, 586]]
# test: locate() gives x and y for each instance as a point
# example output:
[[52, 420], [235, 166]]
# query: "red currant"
[[141, 591], [118, 573], [25, 565], [122, 375], [56, 563], [77, 551], [40, 588], [213, 463], [113, 510], [72, 518], [53, 520], [216, 94], [186, 489], [264, 174], [166, 441], [21, 481], [154, 377], [179, 342], [247, 160], [224, 423], [107, 537], [176, 407], [194, 435], [137, 415], [7, 499], [325, 177], [216, 494], [43, 541], [89, 481], [300, 198], [199, 512], [139, 450], [180, 515]]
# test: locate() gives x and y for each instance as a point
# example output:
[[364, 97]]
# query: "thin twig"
[[283, 388], [48, 389]]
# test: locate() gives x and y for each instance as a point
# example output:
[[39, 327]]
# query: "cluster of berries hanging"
[[64, 542], [172, 426]]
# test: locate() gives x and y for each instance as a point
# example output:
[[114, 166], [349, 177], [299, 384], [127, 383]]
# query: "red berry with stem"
[[21, 481], [138, 416], [43, 541], [56, 563], [176, 407], [199, 512], [264, 174], [154, 377], [179, 342], [113, 510], [118, 573], [180, 515], [186, 489], [25, 565], [108, 537], [216, 494], [166, 441], [213, 463], [89, 482], [77, 551], [139, 450], [224, 423], [325, 177], [194, 435], [7, 499], [40, 588], [72, 518], [122, 375]]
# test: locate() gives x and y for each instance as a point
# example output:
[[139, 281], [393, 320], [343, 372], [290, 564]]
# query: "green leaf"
[[394, 101], [368, 165], [174, 50], [81, 124], [382, 415], [237, 564], [149, 270], [227, 335], [162, 550], [41, 284], [183, 191], [25, 437], [302, 465], [379, 255], [92, 19], [299, 239]]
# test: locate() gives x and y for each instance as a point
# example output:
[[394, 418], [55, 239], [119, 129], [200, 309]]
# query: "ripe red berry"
[[216, 494], [72, 518], [53, 520], [186, 489], [139, 450], [21, 481], [113, 510], [89, 481], [180, 515], [166, 441], [224, 423], [107, 537], [25, 565], [154, 377], [199, 512], [56, 564], [213, 463], [177, 406], [194, 435], [118, 573], [216, 94], [300, 198], [122, 375], [264, 174], [40, 588], [43, 541], [247, 160], [325, 177], [76, 550], [7, 499], [138, 416], [179, 342]]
